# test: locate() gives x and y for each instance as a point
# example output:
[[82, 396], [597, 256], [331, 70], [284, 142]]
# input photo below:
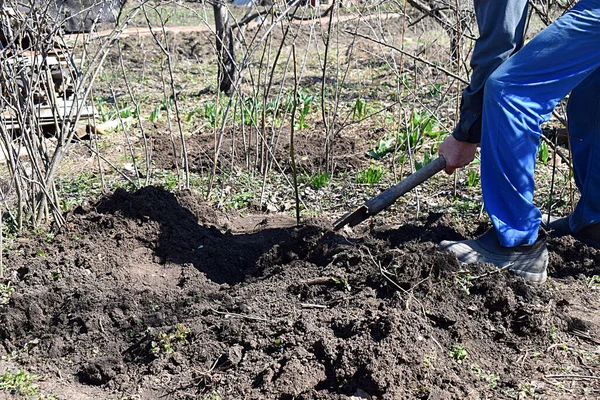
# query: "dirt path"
[[139, 31]]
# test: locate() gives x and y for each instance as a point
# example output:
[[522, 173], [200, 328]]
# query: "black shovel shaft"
[[387, 198]]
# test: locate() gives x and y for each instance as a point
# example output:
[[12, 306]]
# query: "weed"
[[241, 200], [56, 275], [272, 107], [304, 104], [251, 110], [163, 342], [171, 182], [156, 114], [288, 104], [458, 353], [423, 124], [429, 360], [405, 80], [50, 237], [9, 228], [427, 158], [181, 332], [371, 175], [108, 111], [41, 253], [594, 281], [554, 334], [435, 90], [412, 137], [565, 370], [212, 112], [20, 383], [74, 191], [341, 282], [319, 180], [491, 379], [5, 292], [383, 147], [161, 345], [464, 282], [525, 389], [472, 178], [543, 153], [359, 109]]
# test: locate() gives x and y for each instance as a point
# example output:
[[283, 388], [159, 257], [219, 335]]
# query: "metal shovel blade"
[[387, 198]]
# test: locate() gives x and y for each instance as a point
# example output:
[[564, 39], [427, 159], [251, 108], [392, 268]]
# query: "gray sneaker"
[[530, 262], [559, 226]]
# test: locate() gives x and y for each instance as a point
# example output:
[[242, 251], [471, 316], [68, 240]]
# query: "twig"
[[414, 57], [385, 273], [317, 281], [494, 272], [584, 335], [309, 305], [556, 150], [436, 342], [249, 317], [574, 377], [323, 81]]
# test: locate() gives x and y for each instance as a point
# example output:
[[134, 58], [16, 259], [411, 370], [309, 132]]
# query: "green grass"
[[360, 109], [543, 153], [319, 180], [20, 383], [489, 377], [371, 175], [172, 15], [472, 178], [74, 190]]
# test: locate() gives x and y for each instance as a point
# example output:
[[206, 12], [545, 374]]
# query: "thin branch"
[[414, 57]]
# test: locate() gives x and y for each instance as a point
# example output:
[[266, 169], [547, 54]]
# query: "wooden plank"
[[46, 116]]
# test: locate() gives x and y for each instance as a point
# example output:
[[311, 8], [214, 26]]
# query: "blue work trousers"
[[501, 26], [518, 97]]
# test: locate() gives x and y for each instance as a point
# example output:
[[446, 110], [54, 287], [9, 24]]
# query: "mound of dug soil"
[[150, 295]]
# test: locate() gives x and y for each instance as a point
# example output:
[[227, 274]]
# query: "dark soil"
[[309, 151], [155, 295]]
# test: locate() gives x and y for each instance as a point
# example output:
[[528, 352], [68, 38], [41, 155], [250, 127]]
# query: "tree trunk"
[[429, 7], [225, 48]]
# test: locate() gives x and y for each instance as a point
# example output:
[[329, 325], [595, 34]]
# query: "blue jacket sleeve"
[[501, 26]]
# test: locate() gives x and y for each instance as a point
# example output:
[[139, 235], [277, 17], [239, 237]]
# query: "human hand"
[[457, 154]]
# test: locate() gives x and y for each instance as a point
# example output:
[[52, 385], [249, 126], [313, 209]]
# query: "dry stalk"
[[136, 103], [292, 127]]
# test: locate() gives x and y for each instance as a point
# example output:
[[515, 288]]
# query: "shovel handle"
[[387, 198]]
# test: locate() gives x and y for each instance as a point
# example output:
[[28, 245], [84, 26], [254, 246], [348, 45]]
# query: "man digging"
[[503, 108]]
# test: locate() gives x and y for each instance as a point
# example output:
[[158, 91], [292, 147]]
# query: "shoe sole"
[[537, 278]]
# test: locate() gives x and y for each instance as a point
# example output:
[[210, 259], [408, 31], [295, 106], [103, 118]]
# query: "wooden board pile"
[[49, 81]]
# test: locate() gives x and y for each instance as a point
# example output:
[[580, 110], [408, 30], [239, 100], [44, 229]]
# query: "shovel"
[[387, 198]]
